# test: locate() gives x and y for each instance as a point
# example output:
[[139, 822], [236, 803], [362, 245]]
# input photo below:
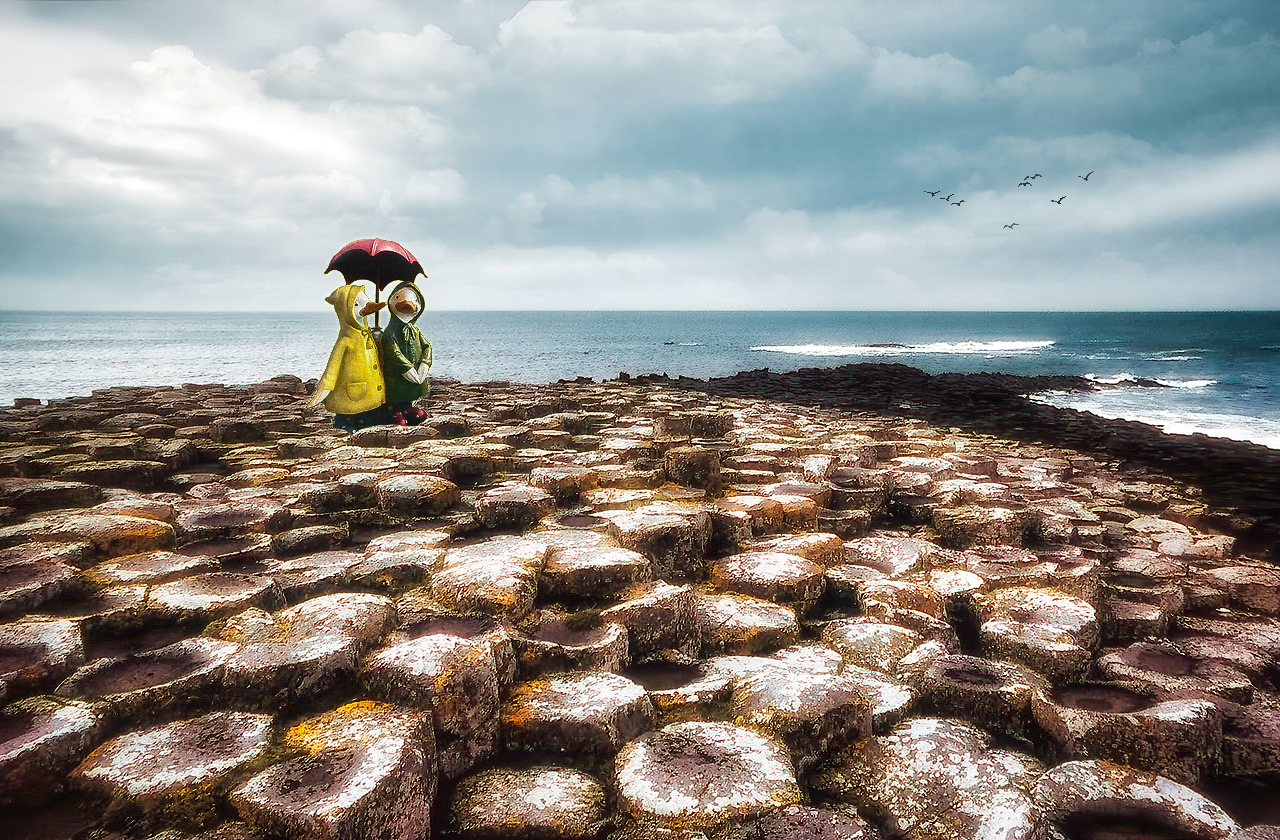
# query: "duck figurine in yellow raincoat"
[[352, 386]]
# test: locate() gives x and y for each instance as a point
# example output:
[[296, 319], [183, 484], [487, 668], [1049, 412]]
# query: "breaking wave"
[[941, 347]]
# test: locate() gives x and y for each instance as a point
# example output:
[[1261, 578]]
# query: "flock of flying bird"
[[1026, 182]]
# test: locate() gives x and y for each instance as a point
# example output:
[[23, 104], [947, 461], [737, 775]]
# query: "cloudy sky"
[[644, 154]]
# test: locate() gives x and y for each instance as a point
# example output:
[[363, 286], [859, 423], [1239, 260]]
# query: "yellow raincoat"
[[354, 373]]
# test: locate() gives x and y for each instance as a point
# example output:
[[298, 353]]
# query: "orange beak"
[[372, 307], [408, 307]]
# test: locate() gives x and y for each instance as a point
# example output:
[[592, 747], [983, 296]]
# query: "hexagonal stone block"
[[582, 719], [454, 676], [870, 644], [995, 695], [150, 567], [1043, 629], [33, 575], [177, 772], [1253, 587], [533, 802], [674, 538], [159, 683], [207, 521], [303, 650], [37, 655], [892, 555], [592, 571], [1101, 796], [936, 779], [498, 576], [416, 496], [517, 507], [822, 548], [565, 482], [368, 771], [203, 598], [1180, 739], [730, 623], [968, 525], [547, 643], [703, 775], [41, 738], [1166, 671], [309, 575], [797, 821], [772, 575], [659, 618]]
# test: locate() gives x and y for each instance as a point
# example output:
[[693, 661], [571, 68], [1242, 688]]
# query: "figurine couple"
[[374, 379]]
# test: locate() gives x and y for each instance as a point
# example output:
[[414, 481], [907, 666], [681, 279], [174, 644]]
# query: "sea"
[[1217, 373]]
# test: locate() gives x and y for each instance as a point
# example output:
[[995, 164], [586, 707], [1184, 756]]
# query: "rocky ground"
[[650, 608]]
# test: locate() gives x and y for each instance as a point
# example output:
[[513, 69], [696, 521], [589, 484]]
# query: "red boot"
[[398, 419]]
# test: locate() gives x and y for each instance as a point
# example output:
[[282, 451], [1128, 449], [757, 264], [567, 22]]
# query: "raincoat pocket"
[[357, 391]]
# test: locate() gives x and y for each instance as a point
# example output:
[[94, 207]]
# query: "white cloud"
[[896, 75], [1052, 45]]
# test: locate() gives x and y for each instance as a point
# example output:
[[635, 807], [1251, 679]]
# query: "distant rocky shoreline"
[[861, 602]]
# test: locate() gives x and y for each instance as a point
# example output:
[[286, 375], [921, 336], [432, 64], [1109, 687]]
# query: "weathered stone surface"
[[203, 598], [592, 572], [547, 642], [310, 538], [43, 494], [37, 655], [1253, 587], [303, 650], [538, 802], [730, 623], [783, 578], [498, 576], [1043, 629], [659, 617], [893, 555], [936, 779], [1250, 739], [673, 538], [1101, 796], [150, 567], [517, 507], [41, 738], [694, 466], [416, 496], [308, 575], [157, 684], [1166, 671], [702, 775], [227, 520], [457, 679], [581, 719], [798, 821], [997, 696], [1180, 739], [178, 771], [368, 771], [565, 482], [870, 644]]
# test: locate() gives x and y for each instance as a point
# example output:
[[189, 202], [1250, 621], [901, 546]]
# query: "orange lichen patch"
[[354, 723]]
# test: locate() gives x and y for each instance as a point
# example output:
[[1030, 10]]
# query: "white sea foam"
[[1114, 379], [1124, 378], [940, 347], [1231, 426], [1188, 383]]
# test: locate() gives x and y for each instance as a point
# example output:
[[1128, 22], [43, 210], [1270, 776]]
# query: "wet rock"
[[498, 576], [933, 778], [547, 642], [538, 802], [517, 507], [157, 684], [203, 598], [1043, 629], [178, 772], [37, 655], [304, 650], [1180, 739], [1100, 796], [368, 770], [742, 624], [703, 775], [581, 719], [41, 738], [659, 617], [458, 679]]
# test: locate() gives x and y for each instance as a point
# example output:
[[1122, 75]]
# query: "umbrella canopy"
[[378, 260]]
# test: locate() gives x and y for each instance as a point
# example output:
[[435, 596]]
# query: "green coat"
[[403, 349], [353, 375]]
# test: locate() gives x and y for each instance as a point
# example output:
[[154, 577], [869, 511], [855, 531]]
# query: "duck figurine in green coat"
[[352, 386], [406, 355]]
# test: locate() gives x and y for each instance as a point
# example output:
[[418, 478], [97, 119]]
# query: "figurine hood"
[[406, 296], [347, 301]]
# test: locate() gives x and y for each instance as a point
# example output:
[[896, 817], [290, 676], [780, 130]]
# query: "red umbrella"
[[378, 260]]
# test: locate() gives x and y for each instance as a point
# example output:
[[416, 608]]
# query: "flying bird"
[[948, 198], [1037, 175], [958, 203], [1025, 184], [1012, 226], [1056, 200], [934, 193], [1086, 177]]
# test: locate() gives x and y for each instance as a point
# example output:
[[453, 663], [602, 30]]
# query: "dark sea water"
[[1216, 372]]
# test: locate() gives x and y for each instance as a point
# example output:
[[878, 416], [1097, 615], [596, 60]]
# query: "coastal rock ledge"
[[643, 608]]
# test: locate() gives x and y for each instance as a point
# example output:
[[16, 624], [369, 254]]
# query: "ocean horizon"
[[1212, 372]]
